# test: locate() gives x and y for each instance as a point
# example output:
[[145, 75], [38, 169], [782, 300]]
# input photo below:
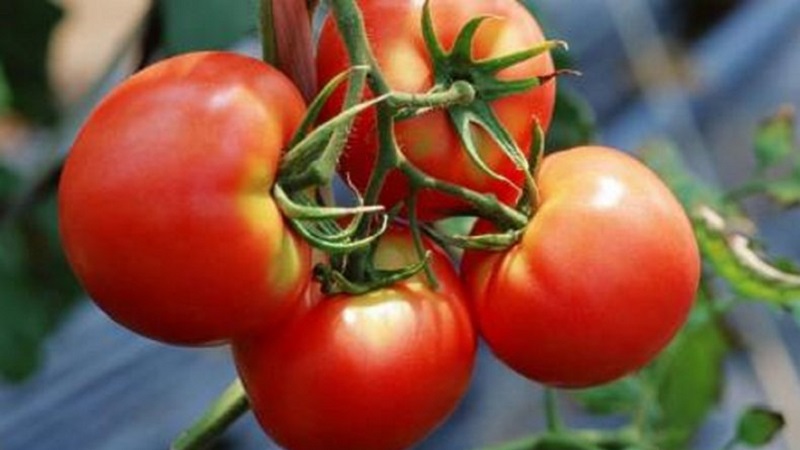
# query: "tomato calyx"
[[466, 88], [458, 65], [319, 224], [335, 282]]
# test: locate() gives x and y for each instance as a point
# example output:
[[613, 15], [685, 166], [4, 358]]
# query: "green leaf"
[[191, 25], [727, 249], [734, 257], [36, 288], [573, 121], [620, 397], [547, 442], [526, 443], [774, 140], [5, 92], [688, 378], [465, 119], [564, 442], [758, 427], [25, 29], [784, 191], [9, 183]]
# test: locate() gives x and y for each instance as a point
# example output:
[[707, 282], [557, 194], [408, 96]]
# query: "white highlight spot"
[[609, 194]]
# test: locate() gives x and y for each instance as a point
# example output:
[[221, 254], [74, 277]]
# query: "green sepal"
[[300, 211], [313, 160], [529, 200], [462, 47], [481, 114], [495, 65], [320, 240], [458, 65], [437, 53], [314, 109], [334, 282]]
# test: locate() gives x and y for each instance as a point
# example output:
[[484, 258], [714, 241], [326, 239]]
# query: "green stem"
[[552, 417], [486, 206], [746, 190], [360, 264], [230, 405], [416, 233], [321, 168], [351, 26], [643, 414], [459, 93]]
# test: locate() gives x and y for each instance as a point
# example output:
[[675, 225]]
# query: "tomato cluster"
[[169, 218]]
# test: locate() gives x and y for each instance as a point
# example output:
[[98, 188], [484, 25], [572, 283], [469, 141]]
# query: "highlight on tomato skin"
[[430, 141], [374, 371], [604, 276], [164, 205]]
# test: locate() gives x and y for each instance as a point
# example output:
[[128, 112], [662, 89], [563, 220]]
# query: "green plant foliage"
[[191, 25], [36, 287], [774, 146], [777, 174], [785, 191], [744, 269], [729, 251], [758, 427], [5, 92], [687, 379], [774, 140], [548, 442], [620, 397], [25, 29], [9, 183], [525, 443]]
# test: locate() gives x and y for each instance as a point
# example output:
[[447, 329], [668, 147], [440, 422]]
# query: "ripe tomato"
[[603, 277], [430, 141], [164, 201], [373, 371]]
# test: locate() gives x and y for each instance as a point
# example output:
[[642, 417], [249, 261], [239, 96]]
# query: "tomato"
[[372, 371], [603, 277], [430, 141], [165, 211]]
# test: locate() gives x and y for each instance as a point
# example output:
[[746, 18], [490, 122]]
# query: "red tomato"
[[374, 371], [430, 141], [164, 201], [603, 277]]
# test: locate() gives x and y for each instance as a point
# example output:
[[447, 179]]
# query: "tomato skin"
[[164, 204], [374, 371], [430, 141], [604, 276]]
